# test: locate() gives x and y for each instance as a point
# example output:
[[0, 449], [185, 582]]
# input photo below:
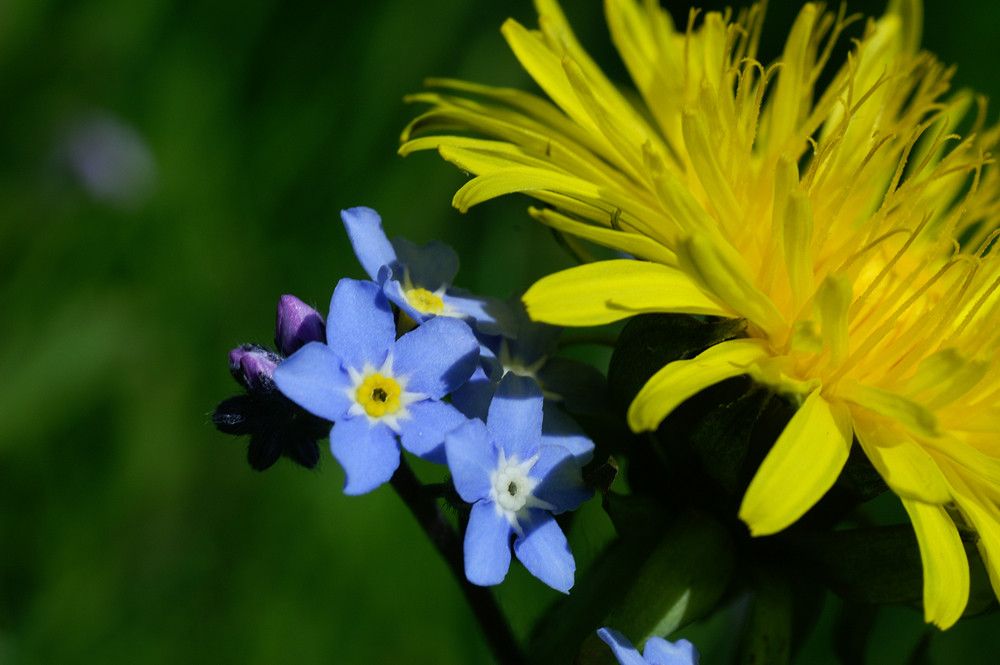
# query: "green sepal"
[[650, 341], [859, 479], [722, 438], [682, 580]]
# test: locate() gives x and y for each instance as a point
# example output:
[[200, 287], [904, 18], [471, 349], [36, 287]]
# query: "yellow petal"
[[968, 457], [531, 180], [801, 466], [606, 291], [904, 465], [833, 302], [706, 165], [945, 376], [792, 96], [796, 245], [639, 246], [720, 275], [626, 134], [682, 379], [946, 567], [912, 14], [985, 517], [537, 108], [910, 414], [545, 67]]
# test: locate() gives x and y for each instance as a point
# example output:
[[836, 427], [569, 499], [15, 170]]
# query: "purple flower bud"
[[253, 366], [298, 324]]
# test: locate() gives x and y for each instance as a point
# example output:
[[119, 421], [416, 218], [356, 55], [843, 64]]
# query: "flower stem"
[[432, 520]]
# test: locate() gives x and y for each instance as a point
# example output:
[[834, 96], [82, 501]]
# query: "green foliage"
[[131, 530]]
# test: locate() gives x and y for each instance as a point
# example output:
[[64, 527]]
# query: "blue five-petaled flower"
[[418, 279], [658, 651], [378, 391], [515, 483]]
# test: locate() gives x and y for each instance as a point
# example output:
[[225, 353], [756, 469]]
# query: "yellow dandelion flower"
[[849, 226]]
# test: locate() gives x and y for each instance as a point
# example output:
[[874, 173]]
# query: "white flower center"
[[512, 488]]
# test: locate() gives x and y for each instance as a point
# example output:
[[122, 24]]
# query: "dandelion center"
[[424, 301], [379, 395]]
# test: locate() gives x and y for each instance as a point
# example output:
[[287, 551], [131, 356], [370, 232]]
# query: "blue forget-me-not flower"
[[515, 483], [378, 391], [658, 651], [529, 349], [418, 279]]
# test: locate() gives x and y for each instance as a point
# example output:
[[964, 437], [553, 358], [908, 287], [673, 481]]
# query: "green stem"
[[432, 520]]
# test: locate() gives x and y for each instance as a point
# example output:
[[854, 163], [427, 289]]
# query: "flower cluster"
[[378, 373]]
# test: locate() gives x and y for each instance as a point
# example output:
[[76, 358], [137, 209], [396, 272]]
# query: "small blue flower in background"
[[658, 651], [530, 352], [378, 391], [418, 279], [515, 484]]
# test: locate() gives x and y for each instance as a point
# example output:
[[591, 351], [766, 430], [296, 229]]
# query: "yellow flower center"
[[425, 301], [379, 395]]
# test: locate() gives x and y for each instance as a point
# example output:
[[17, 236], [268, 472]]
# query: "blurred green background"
[[169, 169]]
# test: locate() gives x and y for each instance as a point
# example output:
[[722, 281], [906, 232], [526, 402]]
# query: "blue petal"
[[621, 647], [515, 418], [472, 457], [430, 267], [662, 652], [489, 345], [474, 396], [364, 229], [487, 545], [561, 479], [313, 378], [492, 316], [369, 453], [559, 429], [360, 328], [423, 433], [544, 551], [436, 357]]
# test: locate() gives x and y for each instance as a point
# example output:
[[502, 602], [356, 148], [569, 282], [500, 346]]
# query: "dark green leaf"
[[650, 341], [876, 565], [767, 635]]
